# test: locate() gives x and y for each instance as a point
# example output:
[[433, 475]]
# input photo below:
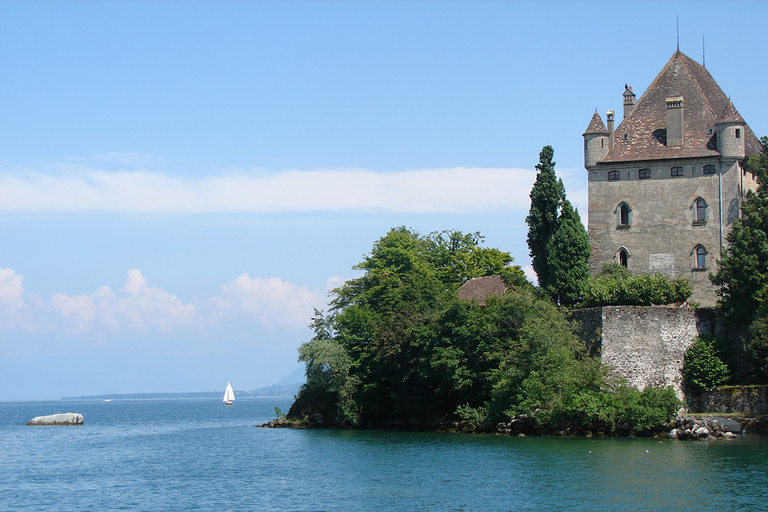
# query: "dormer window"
[[710, 169], [676, 172], [614, 176]]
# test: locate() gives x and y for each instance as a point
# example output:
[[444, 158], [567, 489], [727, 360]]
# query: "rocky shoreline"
[[685, 427]]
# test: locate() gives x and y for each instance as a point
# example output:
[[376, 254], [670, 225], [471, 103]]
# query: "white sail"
[[229, 395]]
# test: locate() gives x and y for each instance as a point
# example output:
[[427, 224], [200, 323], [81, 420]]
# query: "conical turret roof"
[[596, 125]]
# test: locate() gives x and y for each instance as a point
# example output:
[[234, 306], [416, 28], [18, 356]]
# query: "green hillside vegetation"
[[399, 349]]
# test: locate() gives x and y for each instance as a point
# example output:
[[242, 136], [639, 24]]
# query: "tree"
[[703, 365], [742, 272], [547, 195], [568, 257], [558, 242]]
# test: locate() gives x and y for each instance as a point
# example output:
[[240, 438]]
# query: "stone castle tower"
[[666, 185]]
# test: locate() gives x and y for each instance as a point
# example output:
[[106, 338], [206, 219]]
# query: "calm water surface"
[[202, 455]]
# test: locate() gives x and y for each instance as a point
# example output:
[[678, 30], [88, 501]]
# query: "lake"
[[198, 454]]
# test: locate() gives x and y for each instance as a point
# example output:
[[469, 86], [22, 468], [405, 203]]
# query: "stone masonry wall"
[[645, 345]]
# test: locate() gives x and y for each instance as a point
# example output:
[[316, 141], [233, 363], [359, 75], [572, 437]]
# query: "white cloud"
[[138, 306], [271, 301], [456, 190]]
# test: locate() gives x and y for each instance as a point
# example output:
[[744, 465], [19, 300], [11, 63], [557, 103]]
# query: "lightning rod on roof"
[[677, 26], [703, 53]]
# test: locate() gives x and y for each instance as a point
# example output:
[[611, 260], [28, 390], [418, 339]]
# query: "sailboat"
[[229, 395]]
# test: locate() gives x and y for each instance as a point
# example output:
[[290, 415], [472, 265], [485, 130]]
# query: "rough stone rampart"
[[644, 344]]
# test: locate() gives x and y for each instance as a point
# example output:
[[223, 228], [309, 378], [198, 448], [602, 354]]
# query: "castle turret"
[[595, 141], [731, 133], [629, 100]]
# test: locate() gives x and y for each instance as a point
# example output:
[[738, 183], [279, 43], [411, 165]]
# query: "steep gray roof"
[[704, 105]]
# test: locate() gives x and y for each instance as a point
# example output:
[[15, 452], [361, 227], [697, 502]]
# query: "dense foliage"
[[616, 286], [704, 365], [743, 270], [399, 348], [558, 242]]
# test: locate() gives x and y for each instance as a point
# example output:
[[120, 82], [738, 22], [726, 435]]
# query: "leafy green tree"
[[568, 257], [399, 348], [703, 365], [547, 195], [742, 272]]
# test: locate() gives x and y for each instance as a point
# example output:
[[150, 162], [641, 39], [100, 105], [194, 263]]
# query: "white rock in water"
[[66, 418]]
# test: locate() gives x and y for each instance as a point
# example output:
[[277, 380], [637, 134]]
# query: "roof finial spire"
[[703, 53], [677, 24]]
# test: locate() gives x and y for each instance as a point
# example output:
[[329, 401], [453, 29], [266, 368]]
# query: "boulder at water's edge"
[[65, 418]]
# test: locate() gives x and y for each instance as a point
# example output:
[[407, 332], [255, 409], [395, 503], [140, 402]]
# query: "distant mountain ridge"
[[274, 391]]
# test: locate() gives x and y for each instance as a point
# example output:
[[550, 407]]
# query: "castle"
[[666, 185]]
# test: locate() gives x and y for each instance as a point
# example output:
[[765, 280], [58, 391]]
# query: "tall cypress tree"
[[547, 195], [568, 257]]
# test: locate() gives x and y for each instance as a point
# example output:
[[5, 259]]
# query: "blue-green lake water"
[[201, 455]]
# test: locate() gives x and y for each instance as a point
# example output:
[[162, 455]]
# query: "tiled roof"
[[596, 125], [479, 289], [730, 115], [704, 104]]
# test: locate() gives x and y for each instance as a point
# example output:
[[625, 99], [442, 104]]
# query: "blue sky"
[[182, 182]]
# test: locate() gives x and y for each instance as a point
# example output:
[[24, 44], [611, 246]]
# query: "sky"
[[182, 183]]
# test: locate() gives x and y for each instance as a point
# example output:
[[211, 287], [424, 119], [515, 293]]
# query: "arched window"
[[700, 213], [623, 257], [710, 169], [701, 256], [623, 214], [676, 172]]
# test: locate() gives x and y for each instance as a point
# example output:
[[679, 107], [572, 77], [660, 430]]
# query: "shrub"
[[756, 346], [703, 365]]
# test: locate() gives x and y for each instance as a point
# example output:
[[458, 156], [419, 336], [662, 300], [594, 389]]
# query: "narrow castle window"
[[614, 176], [738, 133], [701, 210], [623, 214], [623, 257], [710, 169], [644, 174], [701, 257], [676, 172]]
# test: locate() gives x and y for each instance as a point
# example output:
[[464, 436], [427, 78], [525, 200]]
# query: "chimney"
[[629, 100], [609, 116], [675, 121]]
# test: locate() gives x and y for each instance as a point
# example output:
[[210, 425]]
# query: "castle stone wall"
[[645, 345]]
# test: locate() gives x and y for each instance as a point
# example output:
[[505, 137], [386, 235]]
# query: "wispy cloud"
[[86, 189]]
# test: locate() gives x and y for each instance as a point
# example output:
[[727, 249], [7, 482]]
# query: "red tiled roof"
[[704, 105], [479, 289], [596, 125]]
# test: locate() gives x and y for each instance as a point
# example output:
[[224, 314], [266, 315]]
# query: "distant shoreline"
[[287, 391]]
